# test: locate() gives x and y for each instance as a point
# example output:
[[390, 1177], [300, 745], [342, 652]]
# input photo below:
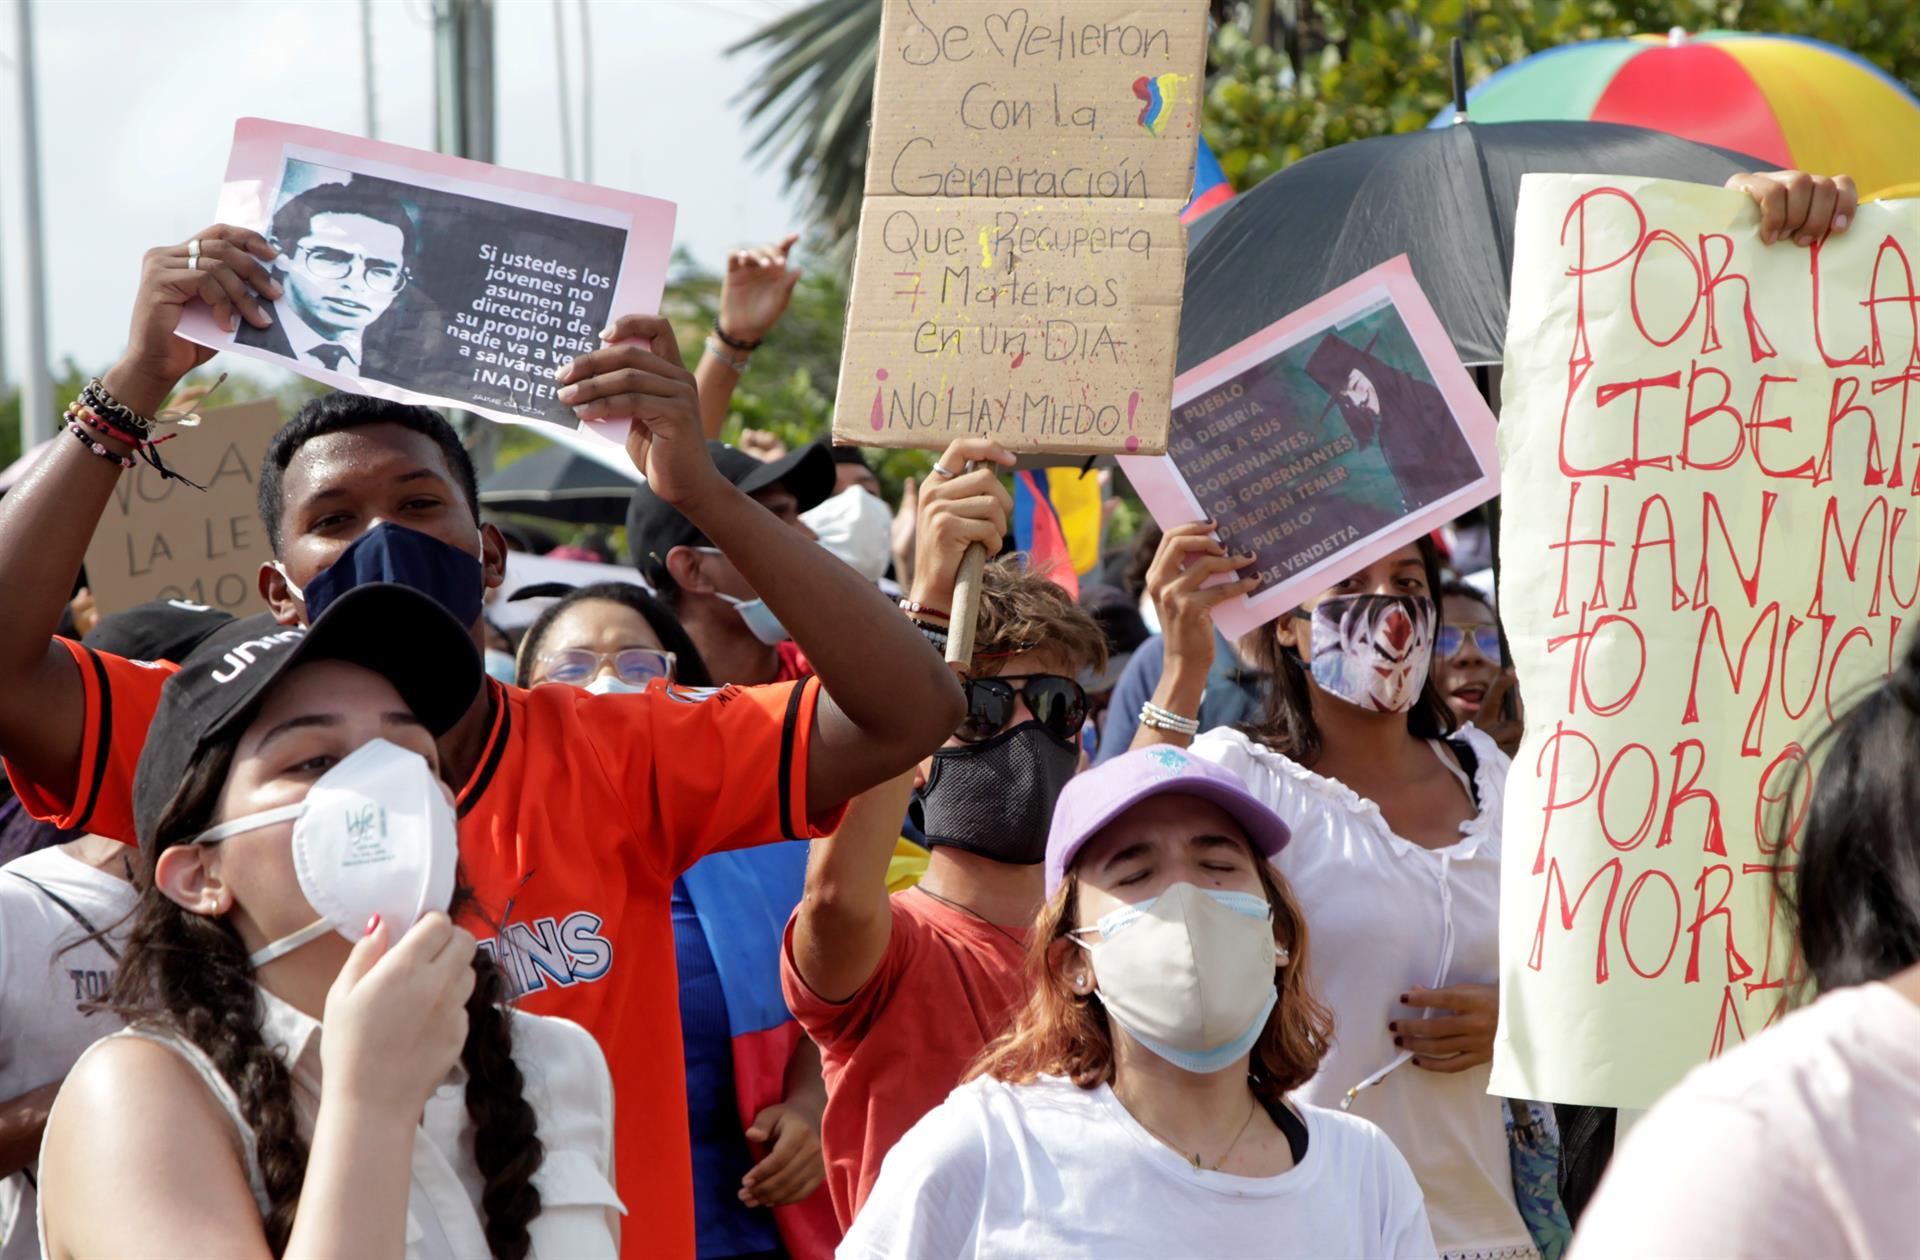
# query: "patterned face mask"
[[1373, 650]]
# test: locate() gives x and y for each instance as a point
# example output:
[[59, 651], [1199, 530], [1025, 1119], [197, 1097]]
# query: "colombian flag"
[[1056, 521], [1210, 187]]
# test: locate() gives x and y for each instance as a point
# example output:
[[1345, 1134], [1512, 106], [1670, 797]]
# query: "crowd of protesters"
[[714, 915]]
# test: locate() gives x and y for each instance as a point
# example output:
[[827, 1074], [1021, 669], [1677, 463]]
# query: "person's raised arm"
[[889, 699], [753, 296], [1188, 558], [22, 1120], [841, 926], [47, 519]]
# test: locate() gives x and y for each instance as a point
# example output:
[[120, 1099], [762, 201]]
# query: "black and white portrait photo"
[[466, 299]]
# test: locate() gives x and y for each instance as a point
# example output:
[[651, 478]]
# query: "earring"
[[1282, 956], [1080, 982]]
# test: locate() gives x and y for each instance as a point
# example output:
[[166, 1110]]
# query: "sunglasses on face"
[[577, 666], [1450, 639], [1056, 702]]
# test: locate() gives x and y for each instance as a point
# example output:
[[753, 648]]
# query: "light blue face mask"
[[759, 618], [1189, 973], [500, 665]]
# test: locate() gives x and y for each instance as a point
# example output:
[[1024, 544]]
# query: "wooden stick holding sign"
[[1021, 261]]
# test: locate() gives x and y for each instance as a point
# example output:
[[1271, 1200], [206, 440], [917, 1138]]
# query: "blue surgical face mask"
[[445, 574], [760, 619], [499, 665]]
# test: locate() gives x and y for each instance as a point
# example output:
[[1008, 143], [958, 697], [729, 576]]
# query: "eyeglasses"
[[324, 262], [574, 666], [1450, 639], [1058, 703]]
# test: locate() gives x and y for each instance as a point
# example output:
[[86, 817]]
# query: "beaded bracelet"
[[125, 461], [77, 410], [933, 634], [94, 394], [1161, 719], [913, 608]]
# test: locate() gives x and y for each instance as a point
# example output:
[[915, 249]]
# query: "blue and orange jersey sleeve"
[[702, 771], [120, 697]]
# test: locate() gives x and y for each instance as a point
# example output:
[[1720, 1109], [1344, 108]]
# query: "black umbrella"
[[559, 485], [1445, 199]]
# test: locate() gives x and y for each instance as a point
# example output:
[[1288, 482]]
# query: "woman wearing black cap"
[[317, 1059]]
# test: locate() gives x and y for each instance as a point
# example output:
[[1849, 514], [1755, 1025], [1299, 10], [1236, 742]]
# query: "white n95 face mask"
[[374, 835], [856, 527], [1189, 973]]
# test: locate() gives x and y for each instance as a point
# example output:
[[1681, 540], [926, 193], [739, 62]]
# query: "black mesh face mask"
[[995, 798]]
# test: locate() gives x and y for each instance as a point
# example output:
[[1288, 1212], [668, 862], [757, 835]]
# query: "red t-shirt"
[[582, 812], [794, 664], [948, 984]]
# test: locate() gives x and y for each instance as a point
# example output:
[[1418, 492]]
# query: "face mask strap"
[[249, 822], [287, 944], [295, 591]]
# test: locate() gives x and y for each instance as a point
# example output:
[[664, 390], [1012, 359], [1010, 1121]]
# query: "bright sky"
[[138, 100]]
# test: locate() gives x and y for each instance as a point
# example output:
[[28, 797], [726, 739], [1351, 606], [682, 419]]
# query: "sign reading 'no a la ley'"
[[1021, 258]]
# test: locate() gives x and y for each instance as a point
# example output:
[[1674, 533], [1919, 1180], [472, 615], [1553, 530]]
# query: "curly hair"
[[1063, 1033], [189, 972], [1021, 611]]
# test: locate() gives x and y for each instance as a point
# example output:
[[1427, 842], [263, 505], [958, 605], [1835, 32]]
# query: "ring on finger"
[[944, 471], [193, 254]]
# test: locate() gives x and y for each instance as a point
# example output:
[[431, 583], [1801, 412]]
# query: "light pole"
[[36, 391]]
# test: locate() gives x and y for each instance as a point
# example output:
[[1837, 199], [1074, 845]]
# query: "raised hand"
[[228, 276], [956, 509], [1797, 206], [756, 289], [1188, 558], [651, 389]]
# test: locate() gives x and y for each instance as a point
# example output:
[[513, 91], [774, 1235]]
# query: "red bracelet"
[[913, 608], [94, 420]]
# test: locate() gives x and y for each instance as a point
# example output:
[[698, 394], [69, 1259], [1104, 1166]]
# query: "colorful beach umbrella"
[[1795, 102]]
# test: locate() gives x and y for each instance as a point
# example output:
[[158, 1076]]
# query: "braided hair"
[[189, 972]]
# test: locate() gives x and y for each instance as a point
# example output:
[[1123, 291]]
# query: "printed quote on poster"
[[1710, 444]]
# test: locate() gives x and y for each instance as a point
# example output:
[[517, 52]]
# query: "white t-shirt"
[[42, 1029], [1383, 915], [1048, 1170], [1804, 1141]]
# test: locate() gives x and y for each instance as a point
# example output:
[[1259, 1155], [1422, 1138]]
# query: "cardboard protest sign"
[[1021, 258], [1709, 548], [162, 539], [426, 278], [1324, 442]]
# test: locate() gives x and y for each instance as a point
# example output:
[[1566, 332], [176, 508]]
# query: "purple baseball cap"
[[1102, 794]]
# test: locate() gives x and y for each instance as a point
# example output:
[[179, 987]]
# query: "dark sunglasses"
[[1450, 639], [1058, 703]]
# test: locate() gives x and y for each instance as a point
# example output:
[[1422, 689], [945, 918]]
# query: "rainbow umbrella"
[[1795, 102]]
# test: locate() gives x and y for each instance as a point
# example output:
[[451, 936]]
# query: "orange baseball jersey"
[[582, 811]]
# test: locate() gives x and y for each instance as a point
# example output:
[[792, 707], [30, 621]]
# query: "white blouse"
[[1383, 915], [565, 1080]]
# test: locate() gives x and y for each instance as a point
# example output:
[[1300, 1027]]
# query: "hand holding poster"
[[1324, 442], [1021, 258], [162, 539], [1709, 440], [420, 277]]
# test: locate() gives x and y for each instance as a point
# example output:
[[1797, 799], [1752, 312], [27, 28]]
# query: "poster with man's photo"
[[426, 278], [1324, 441]]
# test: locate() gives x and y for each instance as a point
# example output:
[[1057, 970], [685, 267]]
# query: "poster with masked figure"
[[1341, 433]]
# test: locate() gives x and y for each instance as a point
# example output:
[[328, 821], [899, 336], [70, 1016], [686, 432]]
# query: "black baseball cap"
[[162, 630], [655, 527], [393, 630]]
